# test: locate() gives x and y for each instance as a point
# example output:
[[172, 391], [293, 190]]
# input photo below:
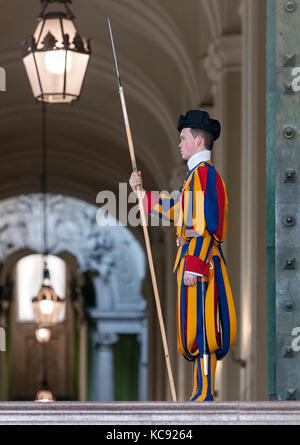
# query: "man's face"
[[188, 144]]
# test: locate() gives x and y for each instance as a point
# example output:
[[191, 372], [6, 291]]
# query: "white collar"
[[198, 157]]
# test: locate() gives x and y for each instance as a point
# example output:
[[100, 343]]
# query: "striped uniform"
[[199, 212]]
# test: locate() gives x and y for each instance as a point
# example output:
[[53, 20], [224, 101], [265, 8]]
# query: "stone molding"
[[150, 413]]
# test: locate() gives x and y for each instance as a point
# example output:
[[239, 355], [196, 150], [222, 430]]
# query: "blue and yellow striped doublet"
[[199, 213]]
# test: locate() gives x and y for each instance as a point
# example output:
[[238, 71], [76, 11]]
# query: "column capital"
[[105, 339], [223, 54]]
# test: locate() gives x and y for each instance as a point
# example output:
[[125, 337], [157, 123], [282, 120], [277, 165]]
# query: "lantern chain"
[[45, 3], [44, 180]]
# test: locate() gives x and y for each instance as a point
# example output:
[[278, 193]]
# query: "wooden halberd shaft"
[[145, 228]]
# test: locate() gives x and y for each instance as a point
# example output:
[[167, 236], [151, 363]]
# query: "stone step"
[[149, 413]]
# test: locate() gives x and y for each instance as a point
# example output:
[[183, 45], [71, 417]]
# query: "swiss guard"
[[206, 321]]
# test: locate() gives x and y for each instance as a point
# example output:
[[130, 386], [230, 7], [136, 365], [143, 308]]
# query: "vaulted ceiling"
[[161, 45]]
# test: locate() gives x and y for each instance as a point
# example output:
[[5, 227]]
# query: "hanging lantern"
[[47, 305], [44, 396], [42, 335], [56, 57]]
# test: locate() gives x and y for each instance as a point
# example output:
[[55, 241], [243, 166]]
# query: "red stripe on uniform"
[[221, 204], [202, 172], [149, 201]]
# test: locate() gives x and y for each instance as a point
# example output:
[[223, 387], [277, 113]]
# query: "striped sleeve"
[[163, 206], [206, 216]]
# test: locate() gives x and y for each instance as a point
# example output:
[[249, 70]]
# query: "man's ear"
[[199, 140]]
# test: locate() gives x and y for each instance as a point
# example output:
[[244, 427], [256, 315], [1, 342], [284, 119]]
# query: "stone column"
[[157, 358], [4, 320], [103, 367], [252, 326], [83, 329], [142, 339], [223, 67]]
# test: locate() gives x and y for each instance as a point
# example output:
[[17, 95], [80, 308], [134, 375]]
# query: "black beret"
[[199, 119]]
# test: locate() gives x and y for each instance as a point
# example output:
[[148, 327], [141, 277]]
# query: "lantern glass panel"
[[69, 28], [75, 77], [32, 74], [49, 65], [50, 25], [38, 30]]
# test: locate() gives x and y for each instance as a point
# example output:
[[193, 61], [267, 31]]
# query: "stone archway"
[[111, 256]]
